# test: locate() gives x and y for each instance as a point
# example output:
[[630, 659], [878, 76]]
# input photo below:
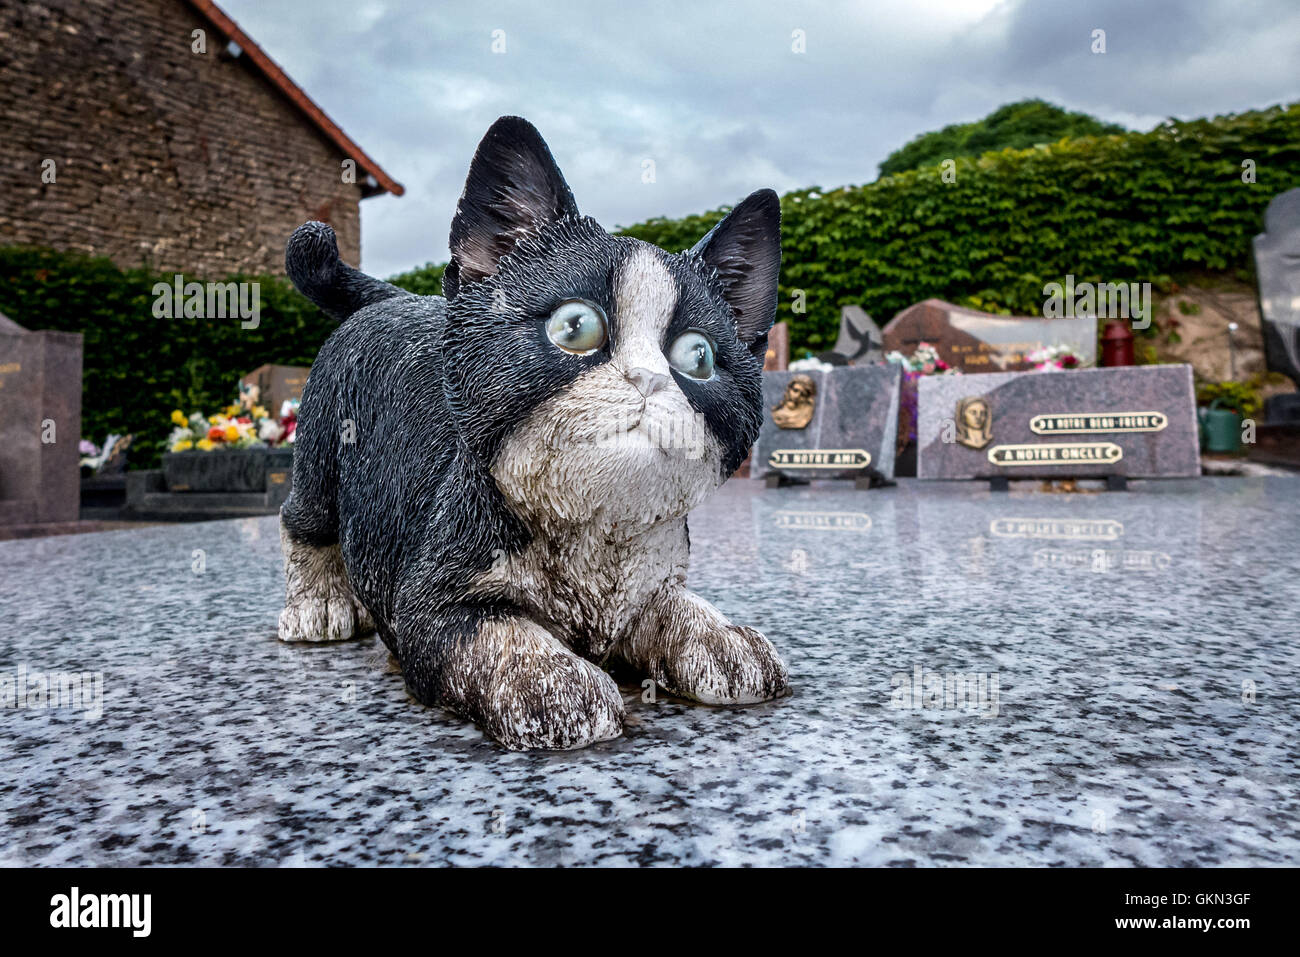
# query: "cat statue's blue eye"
[[577, 326], [692, 354]]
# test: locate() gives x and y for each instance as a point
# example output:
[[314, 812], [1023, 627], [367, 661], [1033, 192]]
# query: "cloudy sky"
[[715, 95]]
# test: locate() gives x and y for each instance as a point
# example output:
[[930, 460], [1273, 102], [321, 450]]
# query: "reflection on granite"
[[1136, 655]]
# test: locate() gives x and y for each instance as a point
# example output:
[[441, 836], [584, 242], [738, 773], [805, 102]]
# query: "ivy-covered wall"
[[1130, 207]]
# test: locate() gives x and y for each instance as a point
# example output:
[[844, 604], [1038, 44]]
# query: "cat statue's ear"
[[513, 188], [745, 250]]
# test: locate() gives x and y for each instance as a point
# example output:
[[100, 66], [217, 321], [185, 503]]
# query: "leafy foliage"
[[1015, 126], [1132, 207], [138, 368], [1241, 397], [423, 280]]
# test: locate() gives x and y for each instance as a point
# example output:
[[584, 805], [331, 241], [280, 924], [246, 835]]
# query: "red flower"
[[1069, 362], [216, 434]]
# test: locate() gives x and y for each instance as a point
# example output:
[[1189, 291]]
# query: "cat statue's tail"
[[312, 261]]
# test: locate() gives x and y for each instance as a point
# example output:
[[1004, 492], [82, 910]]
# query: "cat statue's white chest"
[[588, 583]]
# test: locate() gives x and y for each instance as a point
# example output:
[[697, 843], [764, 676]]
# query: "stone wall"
[[1201, 314], [163, 157]]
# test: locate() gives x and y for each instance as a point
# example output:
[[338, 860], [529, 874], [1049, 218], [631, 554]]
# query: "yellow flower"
[[179, 417], [207, 445], [183, 446], [259, 412], [232, 411], [212, 419], [232, 433]]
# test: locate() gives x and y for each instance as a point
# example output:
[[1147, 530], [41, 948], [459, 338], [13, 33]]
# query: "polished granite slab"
[[1128, 664]]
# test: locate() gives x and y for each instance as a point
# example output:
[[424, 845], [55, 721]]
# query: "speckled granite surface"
[[1118, 631]]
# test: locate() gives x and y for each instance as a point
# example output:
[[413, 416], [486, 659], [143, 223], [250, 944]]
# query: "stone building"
[[156, 132]]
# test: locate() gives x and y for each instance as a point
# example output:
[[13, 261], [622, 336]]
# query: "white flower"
[[811, 364], [270, 431]]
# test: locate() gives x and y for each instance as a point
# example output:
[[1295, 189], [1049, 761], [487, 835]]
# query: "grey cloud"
[[713, 94]]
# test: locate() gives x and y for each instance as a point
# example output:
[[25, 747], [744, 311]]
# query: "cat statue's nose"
[[646, 382]]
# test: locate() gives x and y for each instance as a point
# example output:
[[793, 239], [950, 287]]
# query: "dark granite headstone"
[[40, 425], [973, 341], [1277, 264], [1133, 421], [860, 341], [849, 428]]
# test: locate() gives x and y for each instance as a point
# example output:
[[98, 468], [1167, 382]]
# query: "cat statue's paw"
[[553, 702], [691, 650], [329, 617], [730, 665], [319, 604]]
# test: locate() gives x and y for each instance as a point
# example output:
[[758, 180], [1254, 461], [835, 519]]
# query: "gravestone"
[[275, 384], [859, 342], [1277, 264], [778, 348], [40, 425], [1132, 421], [829, 424], [973, 341], [777, 358]]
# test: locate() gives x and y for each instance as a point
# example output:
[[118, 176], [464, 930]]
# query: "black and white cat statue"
[[498, 481]]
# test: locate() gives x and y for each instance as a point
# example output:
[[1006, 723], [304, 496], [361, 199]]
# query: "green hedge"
[[423, 280], [137, 368], [1130, 207], [1014, 126]]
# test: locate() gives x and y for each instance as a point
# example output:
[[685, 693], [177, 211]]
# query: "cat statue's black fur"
[[510, 514]]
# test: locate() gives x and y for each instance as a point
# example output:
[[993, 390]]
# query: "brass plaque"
[[819, 459], [1056, 453], [974, 418], [825, 521], [1103, 559], [795, 410], [1066, 422], [277, 478], [1097, 529]]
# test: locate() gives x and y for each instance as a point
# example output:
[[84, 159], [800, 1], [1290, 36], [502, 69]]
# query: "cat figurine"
[[498, 481]]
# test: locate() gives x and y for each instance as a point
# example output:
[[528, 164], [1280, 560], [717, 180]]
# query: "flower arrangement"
[[243, 426], [924, 361], [1054, 359]]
